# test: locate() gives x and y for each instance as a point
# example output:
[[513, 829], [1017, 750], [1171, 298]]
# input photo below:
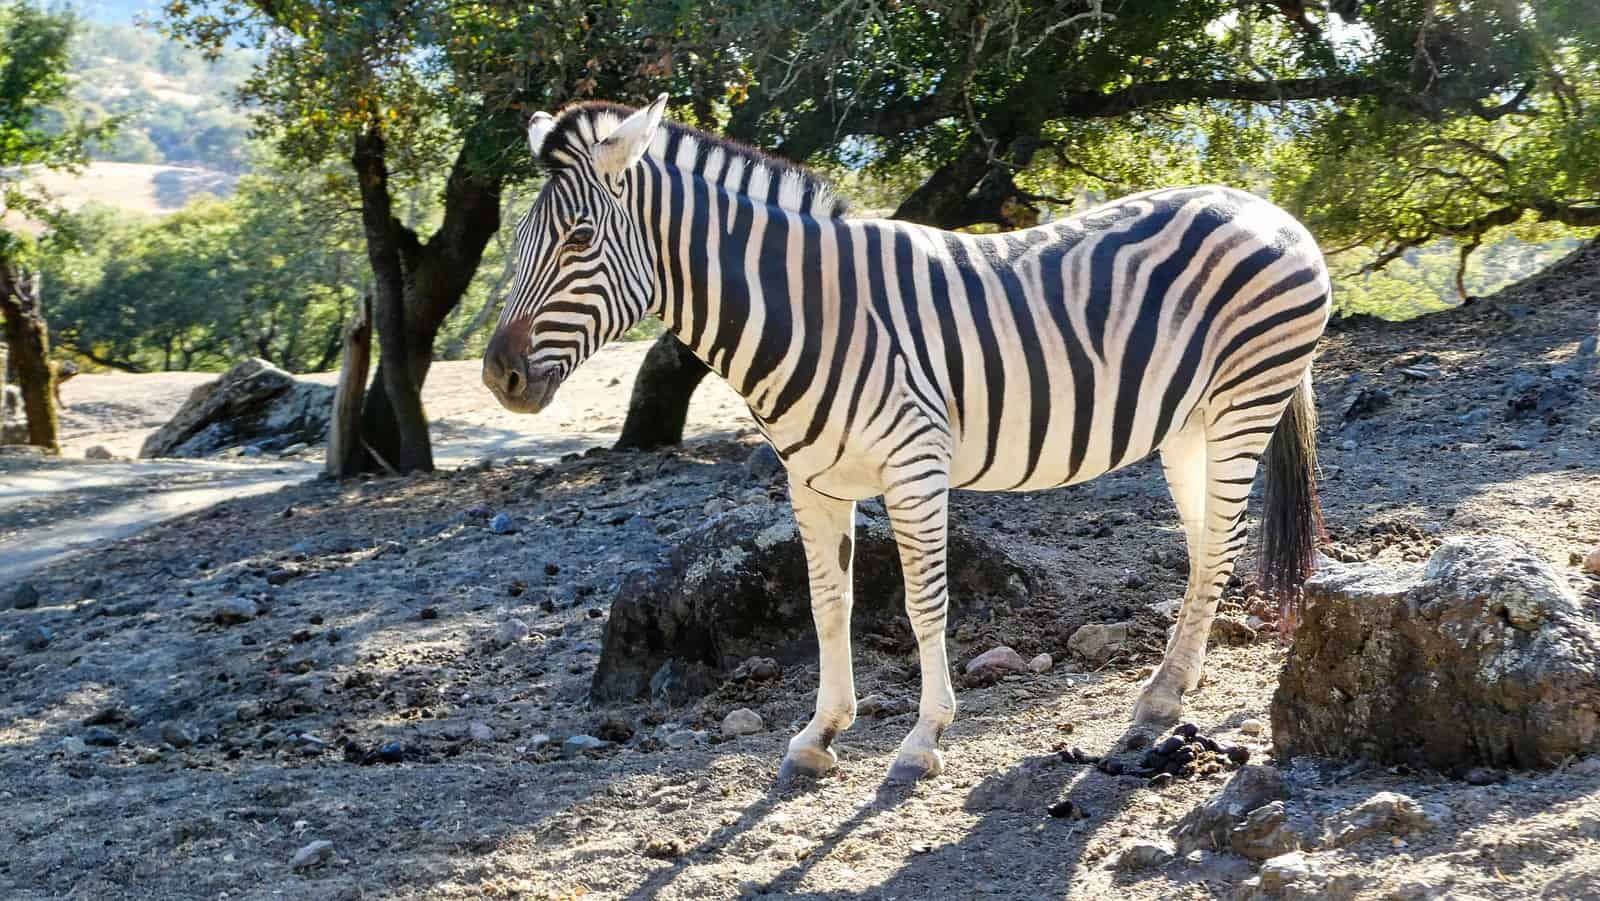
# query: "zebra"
[[881, 357]]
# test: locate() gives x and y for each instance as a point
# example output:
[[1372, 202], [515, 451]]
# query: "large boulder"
[[737, 588], [1481, 657], [253, 403]]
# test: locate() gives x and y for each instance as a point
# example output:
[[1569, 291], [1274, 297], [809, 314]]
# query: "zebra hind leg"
[[826, 528], [918, 511], [1222, 467]]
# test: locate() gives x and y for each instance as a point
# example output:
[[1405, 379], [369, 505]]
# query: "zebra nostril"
[[512, 381]]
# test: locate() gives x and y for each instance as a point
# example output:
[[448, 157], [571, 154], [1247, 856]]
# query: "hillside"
[[136, 188]]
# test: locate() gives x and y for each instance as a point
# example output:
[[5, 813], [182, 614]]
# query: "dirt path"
[[180, 727], [50, 509]]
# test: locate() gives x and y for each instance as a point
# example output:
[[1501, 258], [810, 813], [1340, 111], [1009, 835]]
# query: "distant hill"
[[137, 188], [178, 108]]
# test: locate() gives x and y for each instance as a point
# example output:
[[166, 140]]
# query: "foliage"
[[268, 273], [176, 106], [33, 77]]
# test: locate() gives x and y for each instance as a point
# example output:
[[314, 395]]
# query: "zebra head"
[[584, 271]]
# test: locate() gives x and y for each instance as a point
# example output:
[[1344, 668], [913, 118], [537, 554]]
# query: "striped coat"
[[886, 358]]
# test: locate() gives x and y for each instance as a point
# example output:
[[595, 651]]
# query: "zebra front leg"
[[918, 513], [826, 528]]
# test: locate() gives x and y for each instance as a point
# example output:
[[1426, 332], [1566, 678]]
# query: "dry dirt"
[[376, 600]]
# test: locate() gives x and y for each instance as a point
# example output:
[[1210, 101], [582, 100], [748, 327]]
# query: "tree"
[[1009, 111], [403, 91], [33, 66]]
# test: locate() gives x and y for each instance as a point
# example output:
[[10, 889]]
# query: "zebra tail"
[[1292, 518]]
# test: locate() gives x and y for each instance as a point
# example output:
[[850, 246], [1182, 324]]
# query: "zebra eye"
[[580, 238]]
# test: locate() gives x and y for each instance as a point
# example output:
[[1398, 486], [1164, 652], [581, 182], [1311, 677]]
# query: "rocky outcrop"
[[254, 403], [737, 588], [1482, 657]]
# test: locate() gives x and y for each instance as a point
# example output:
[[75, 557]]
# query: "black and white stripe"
[[883, 357]]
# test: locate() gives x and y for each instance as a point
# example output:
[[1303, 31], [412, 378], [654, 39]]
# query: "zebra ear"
[[624, 146], [539, 128]]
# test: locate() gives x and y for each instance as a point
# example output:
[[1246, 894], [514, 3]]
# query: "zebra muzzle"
[[520, 386]]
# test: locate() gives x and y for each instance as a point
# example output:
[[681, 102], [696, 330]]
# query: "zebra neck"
[[738, 279]]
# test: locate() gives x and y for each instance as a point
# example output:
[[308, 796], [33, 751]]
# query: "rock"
[[319, 851], [1252, 727], [1483, 657], [763, 463], [1144, 855], [880, 706], [1384, 812], [294, 450], [996, 663], [743, 721], [480, 732], [177, 734], [757, 669], [1366, 402], [578, 744], [25, 597], [1098, 642], [1231, 630], [99, 452], [1265, 833], [1591, 563], [1041, 663], [736, 587], [74, 746], [1210, 826], [678, 739], [147, 755], [33, 638], [1283, 871], [230, 611], [1534, 393], [511, 632], [253, 403], [101, 737], [503, 524]]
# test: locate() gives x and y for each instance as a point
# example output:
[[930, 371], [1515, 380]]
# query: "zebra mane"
[[790, 186]]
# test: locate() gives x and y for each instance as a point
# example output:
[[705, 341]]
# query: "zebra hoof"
[[1157, 706], [806, 763], [914, 766]]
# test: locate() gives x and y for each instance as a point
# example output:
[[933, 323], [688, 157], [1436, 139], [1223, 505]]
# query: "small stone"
[[717, 506], [34, 638], [511, 632], [757, 669], [997, 662], [1252, 727], [250, 451], [1283, 871], [74, 746], [480, 732], [1061, 809], [578, 744], [1133, 580], [1482, 775], [1383, 812], [1144, 856], [1591, 563], [1041, 663], [665, 848], [294, 450], [685, 738], [743, 721], [25, 597], [503, 524], [1098, 642], [100, 736], [315, 853], [147, 755], [230, 611], [177, 735], [1238, 755], [98, 452], [1265, 833]]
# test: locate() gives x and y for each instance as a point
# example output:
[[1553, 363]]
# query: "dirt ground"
[[147, 750]]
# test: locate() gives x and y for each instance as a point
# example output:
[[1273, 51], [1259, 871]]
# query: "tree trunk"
[[415, 287], [345, 453], [29, 340], [661, 392]]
